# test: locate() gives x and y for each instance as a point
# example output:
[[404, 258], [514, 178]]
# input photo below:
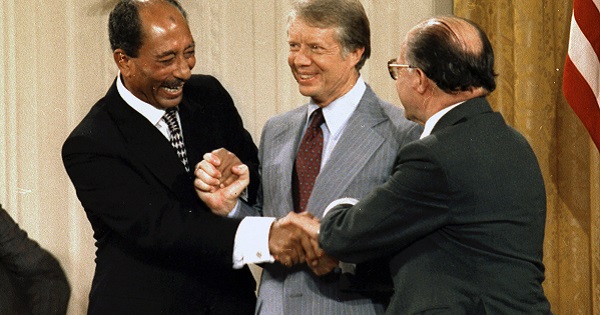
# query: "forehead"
[[299, 30], [163, 26], [159, 17], [402, 50]]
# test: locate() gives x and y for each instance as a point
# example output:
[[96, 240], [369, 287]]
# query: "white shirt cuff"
[[235, 210], [251, 245], [340, 201]]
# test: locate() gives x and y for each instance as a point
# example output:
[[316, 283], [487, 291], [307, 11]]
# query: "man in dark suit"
[[464, 212], [31, 279], [160, 249]]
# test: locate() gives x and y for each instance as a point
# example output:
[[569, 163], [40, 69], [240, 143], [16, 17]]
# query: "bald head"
[[453, 52], [125, 23]]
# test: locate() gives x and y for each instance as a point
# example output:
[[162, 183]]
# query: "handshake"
[[221, 178], [294, 240]]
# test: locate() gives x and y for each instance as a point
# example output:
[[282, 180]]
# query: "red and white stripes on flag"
[[581, 79]]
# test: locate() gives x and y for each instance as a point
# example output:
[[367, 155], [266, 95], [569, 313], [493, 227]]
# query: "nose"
[[301, 58], [184, 67]]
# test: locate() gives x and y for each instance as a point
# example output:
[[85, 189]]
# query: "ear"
[[123, 61], [422, 83], [356, 55]]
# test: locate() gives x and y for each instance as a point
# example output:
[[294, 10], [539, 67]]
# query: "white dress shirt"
[[153, 114], [433, 120]]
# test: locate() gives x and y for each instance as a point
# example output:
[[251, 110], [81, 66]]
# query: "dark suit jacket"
[[31, 279], [464, 215], [160, 250]]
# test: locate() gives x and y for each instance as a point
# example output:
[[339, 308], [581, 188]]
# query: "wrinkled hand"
[[322, 263], [220, 179], [289, 244]]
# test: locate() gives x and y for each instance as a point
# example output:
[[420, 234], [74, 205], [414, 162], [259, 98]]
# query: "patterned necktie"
[[308, 161], [170, 118]]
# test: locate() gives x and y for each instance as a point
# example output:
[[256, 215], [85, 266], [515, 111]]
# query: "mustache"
[[173, 84]]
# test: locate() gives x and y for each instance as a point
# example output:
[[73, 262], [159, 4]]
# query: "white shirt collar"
[[151, 113], [433, 120], [339, 111]]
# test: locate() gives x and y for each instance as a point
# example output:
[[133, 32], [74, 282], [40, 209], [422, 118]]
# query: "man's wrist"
[[251, 243]]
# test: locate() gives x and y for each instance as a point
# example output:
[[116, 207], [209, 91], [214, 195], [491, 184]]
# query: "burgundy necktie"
[[170, 118], [308, 161]]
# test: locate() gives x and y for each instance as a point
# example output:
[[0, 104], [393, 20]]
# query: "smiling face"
[[318, 63], [165, 58]]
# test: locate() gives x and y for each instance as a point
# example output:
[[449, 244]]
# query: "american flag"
[[581, 79]]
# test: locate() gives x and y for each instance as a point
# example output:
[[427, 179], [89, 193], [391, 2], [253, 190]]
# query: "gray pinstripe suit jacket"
[[362, 159]]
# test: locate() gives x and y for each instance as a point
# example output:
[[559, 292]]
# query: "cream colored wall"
[[56, 62]]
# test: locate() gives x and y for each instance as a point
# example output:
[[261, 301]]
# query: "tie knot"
[[316, 118]]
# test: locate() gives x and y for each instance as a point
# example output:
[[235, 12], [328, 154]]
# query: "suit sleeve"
[[410, 205], [37, 272], [229, 131]]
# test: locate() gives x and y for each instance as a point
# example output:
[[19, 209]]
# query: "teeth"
[[172, 89], [306, 76]]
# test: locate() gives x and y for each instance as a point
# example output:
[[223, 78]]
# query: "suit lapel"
[[285, 144], [357, 144], [146, 143]]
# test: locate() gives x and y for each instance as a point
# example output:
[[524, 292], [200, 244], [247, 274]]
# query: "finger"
[[212, 159], [228, 159], [236, 172], [288, 219], [309, 249], [284, 257], [307, 214], [234, 190], [241, 170], [202, 176], [229, 170], [208, 168], [294, 251], [296, 242], [289, 259], [238, 186], [307, 224], [325, 266], [202, 186]]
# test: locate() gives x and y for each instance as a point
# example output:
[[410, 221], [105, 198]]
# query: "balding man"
[[463, 214], [160, 249]]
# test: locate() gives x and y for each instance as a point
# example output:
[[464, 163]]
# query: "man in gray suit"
[[463, 214], [329, 42]]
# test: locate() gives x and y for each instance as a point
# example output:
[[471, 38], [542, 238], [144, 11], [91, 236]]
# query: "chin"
[[306, 91], [170, 103]]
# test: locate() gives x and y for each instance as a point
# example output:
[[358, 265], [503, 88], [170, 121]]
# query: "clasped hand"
[[294, 240], [220, 179]]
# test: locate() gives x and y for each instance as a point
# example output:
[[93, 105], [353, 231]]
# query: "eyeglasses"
[[394, 67]]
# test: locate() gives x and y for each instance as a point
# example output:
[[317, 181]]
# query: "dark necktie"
[[170, 118], [308, 161]]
